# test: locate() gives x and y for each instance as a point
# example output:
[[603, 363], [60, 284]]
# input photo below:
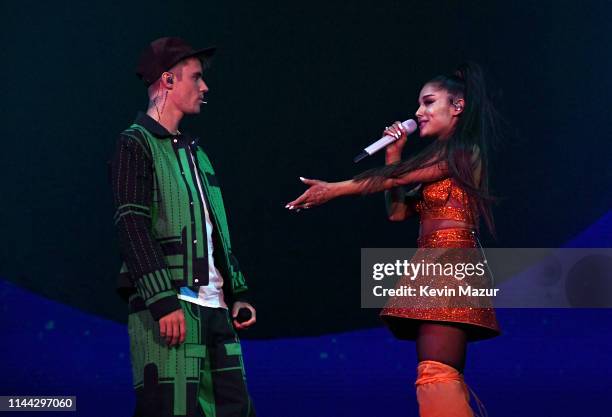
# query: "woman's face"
[[437, 115]]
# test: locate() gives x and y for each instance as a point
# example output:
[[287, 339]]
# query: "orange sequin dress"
[[444, 200]]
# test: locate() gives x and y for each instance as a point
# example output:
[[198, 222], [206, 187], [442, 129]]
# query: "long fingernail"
[[302, 178]]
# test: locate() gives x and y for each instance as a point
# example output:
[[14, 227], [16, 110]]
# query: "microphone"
[[410, 126], [244, 314]]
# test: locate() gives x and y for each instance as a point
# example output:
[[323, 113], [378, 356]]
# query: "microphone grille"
[[410, 125]]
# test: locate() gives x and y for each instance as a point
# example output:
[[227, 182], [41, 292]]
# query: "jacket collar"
[[152, 125], [161, 132]]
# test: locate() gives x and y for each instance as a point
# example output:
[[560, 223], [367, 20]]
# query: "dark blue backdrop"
[[297, 89], [549, 362]]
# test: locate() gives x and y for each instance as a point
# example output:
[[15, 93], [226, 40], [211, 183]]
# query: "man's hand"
[[237, 306], [172, 327]]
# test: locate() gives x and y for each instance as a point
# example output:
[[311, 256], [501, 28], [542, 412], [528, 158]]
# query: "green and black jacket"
[[160, 218]]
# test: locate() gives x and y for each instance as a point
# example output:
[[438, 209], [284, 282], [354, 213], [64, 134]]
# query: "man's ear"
[[167, 80]]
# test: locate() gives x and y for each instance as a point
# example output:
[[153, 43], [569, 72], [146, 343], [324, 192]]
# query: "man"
[[179, 273]]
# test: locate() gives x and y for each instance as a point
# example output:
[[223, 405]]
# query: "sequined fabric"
[[445, 246], [437, 199], [449, 238]]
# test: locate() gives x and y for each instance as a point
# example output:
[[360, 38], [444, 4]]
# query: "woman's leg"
[[446, 343], [441, 392]]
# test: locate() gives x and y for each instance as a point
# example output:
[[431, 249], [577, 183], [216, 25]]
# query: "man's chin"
[[195, 110]]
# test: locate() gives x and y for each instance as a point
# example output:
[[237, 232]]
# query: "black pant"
[[203, 377]]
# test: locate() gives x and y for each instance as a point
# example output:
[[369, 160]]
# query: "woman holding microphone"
[[454, 110]]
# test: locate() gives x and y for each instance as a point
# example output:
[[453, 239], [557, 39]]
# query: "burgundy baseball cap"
[[163, 53]]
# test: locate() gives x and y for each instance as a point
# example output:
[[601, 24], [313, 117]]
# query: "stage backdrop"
[[296, 89]]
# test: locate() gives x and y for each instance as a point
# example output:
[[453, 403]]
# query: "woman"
[[456, 112]]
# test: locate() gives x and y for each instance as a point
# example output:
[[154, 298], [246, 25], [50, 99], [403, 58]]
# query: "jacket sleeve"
[[240, 291], [132, 183]]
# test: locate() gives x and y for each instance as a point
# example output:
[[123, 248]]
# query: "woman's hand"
[[394, 150], [319, 192]]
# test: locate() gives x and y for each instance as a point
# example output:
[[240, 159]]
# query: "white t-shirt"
[[210, 295]]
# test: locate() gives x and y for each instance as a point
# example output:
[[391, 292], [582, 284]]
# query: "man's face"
[[188, 88]]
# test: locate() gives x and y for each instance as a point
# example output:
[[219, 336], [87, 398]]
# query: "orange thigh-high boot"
[[441, 391]]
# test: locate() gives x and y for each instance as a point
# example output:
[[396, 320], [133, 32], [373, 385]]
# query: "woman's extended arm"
[[321, 192]]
